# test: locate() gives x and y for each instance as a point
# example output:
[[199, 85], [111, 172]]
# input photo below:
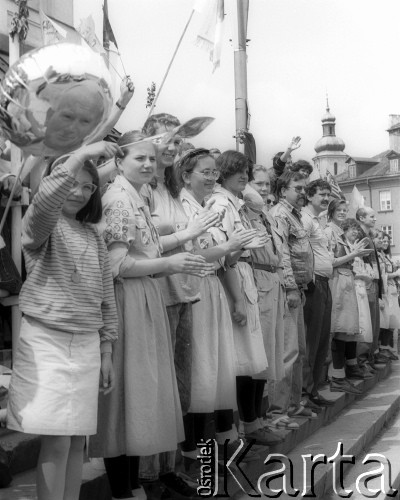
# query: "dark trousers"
[[317, 319]]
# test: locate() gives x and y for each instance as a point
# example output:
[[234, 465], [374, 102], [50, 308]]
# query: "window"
[[394, 165], [385, 200], [335, 168], [352, 170], [389, 231]]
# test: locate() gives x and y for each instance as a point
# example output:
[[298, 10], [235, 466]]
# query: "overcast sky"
[[299, 50]]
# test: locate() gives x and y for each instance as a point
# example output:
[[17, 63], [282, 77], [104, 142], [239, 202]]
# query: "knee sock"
[[195, 425], [123, 475], [245, 391], [259, 393], [351, 353], [338, 358]]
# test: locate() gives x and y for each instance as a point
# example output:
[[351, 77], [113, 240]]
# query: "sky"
[[299, 51]]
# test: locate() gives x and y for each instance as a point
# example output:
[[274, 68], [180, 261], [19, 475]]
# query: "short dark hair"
[[230, 163], [302, 165], [361, 212], [188, 161], [286, 178], [348, 223], [165, 119], [333, 206], [312, 188], [92, 211], [276, 158]]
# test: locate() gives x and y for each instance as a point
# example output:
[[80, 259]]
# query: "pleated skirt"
[[142, 415]]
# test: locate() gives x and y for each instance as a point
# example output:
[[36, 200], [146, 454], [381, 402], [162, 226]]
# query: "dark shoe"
[[344, 385], [321, 401], [264, 436], [309, 403], [380, 359], [355, 372], [178, 488]]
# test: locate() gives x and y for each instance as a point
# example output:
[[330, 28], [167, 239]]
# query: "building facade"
[[378, 181]]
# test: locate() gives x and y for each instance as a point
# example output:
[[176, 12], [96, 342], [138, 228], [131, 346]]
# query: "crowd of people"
[[196, 283]]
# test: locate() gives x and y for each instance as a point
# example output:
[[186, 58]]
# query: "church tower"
[[330, 149]]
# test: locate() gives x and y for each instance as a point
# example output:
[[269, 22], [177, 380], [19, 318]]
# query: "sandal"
[[301, 412], [283, 422]]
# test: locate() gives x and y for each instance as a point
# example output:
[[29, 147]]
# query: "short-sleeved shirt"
[[169, 217], [234, 210], [126, 219], [210, 238]]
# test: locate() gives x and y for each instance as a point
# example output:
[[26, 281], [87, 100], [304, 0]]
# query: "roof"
[[359, 159], [393, 127], [378, 170]]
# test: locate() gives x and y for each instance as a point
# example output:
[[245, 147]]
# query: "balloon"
[[54, 99]]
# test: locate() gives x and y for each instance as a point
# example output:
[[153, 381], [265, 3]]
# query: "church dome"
[[328, 117], [329, 143]]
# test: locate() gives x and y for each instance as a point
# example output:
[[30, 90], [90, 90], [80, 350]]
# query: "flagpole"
[[240, 69], [170, 64], [106, 35]]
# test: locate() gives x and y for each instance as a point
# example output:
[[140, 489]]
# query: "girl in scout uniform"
[[214, 365], [240, 286], [143, 415]]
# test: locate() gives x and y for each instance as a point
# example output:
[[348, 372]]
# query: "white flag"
[[87, 31], [52, 32], [209, 37], [357, 199]]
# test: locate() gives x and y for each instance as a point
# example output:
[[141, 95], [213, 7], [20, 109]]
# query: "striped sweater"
[[53, 246]]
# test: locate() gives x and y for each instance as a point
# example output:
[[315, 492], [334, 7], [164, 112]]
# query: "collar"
[[290, 208], [308, 211], [335, 228], [237, 202], [125, 185], [186, 195]]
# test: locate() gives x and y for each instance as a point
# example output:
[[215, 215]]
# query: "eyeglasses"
[[269, 202], [298, 189], [87, 188], [210, 175]]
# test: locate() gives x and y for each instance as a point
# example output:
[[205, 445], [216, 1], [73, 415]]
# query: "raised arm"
[[127, 90], [46, 207]]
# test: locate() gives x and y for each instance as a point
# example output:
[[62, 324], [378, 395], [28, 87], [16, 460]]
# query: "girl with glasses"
[[214, 365], [69, 322]]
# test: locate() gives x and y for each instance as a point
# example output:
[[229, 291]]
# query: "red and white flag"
[[209, 37], [336, 191]]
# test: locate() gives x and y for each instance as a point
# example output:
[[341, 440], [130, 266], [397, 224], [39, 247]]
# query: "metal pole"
[[240, 67], [16, 211], [170, 64]]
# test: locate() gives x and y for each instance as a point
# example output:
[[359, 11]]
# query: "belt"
[[266, 267], [248, 260], [321, 278]]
